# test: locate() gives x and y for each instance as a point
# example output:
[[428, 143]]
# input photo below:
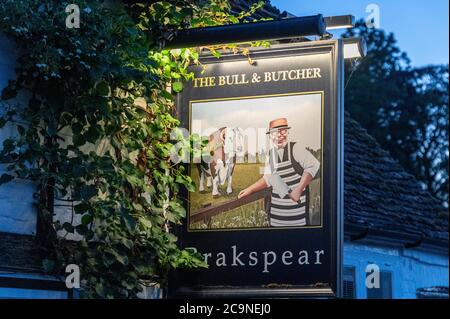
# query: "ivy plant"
[[95, 132]]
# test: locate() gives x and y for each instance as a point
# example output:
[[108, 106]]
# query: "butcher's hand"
[[244, 192], [296, 194]]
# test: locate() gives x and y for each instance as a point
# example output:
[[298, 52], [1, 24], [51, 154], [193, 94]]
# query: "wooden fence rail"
[[206, 213]]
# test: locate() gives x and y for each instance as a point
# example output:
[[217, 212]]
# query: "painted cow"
[[217, 168]]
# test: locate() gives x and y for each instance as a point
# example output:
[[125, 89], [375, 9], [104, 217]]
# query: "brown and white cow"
[[217, 168]]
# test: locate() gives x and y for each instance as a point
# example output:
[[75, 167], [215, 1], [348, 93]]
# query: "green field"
[[247, 216], [251, 215]]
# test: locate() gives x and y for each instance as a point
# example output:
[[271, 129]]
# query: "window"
[[385, 289], [349, 289]]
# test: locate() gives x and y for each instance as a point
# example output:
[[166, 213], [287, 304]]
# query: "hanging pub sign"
[[267, 210]]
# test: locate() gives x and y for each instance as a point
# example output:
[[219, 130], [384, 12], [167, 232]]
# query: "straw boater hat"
[[278, 124]]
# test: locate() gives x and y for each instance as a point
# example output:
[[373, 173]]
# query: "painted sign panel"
[[266, 213]]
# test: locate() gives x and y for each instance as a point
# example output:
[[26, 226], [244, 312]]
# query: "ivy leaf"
[[100, 290], [118, 255], [68, 227], [234, 19], [134, 180], [123, 259], [144, 221], [81, 229], [77, 128], [92, 134], [5, 178], [81, 208], [127, 243], [78, 140], [129, 221], [102, 88], [87, 192], [86, 219], [177, 87], [165, 94], [171, 238]]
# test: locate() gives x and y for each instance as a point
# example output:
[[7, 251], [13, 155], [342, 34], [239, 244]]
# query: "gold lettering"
[[204, 82], [317, 73], [291, 75], [272, 76], [244, 80], [300, 74], [275, 76]]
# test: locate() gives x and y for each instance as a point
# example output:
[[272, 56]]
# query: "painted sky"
[[303, 113], [420, 26]]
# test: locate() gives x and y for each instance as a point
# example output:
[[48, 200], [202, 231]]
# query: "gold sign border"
[[188, 211]]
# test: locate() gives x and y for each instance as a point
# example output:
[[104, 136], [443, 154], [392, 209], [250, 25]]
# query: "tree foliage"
[[405, 108], [96, 128]]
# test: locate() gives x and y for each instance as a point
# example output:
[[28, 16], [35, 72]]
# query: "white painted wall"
[[17, 210], [17, 205], [411, 268]]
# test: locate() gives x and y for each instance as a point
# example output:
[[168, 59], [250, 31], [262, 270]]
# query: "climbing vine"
[[93, 112]]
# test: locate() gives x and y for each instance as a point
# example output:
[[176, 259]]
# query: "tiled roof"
[[379, 194]]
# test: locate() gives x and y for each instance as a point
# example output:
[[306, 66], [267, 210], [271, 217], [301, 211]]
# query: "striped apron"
[[284, 211]]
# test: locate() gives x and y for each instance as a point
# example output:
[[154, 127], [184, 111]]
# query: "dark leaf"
[[87, 192], [86, 219], [102, 88], [5, 178], [81, 208], [68, 227]]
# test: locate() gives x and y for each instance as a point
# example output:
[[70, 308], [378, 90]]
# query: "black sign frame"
[[191, 283]]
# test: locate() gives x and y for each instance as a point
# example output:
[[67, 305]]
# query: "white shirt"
[[309, 163]]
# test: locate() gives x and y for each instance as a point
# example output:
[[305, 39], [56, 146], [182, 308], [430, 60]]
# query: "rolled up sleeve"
[[309, 163]]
